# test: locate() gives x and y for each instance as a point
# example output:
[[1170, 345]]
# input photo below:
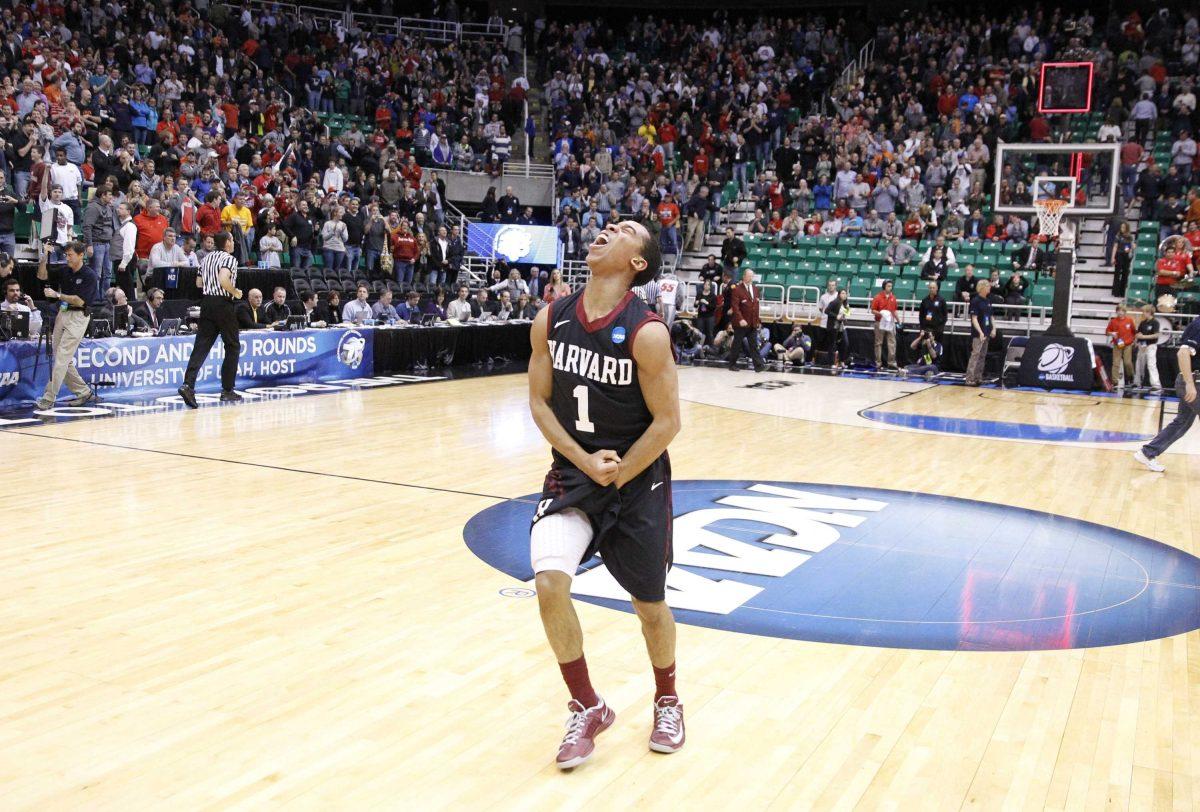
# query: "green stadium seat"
[[904, 288], [776, 279], [1042, 295], [826, 242], [806, 265], [860, 288]]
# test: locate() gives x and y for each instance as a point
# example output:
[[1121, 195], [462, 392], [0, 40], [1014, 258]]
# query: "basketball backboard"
[[1087, 175], [1065, 87]]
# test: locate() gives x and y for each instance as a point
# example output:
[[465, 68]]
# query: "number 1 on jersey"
[[582, 423]]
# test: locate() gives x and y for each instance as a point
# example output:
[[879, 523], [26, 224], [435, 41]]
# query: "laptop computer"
[[169, 327], [13, 324]]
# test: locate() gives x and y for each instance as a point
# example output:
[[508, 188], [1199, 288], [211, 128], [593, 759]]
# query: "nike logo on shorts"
[[561, 323], [655, 485]]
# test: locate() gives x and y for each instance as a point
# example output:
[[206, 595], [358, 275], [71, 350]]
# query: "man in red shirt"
[[667, 136], [209, 215], [668, 218], [150, 227], [1131, 156], [1170, 268], [744, 320], [1121, 332], [883, 308]]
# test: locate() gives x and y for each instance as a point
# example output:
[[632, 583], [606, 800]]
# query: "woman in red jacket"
[[404, 253]]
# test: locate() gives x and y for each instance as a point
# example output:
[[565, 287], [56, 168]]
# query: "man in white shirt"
[[1183, 153], [670, 296], [127, 241], [357, 310], [67, 175], [58, 222], [333, 180], [460, 308], [1144, 113], [167, 254], [940, 242], [19, 302]]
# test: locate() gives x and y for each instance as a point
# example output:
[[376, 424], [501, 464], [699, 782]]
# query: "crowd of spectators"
[[669, 121], [147, 128]]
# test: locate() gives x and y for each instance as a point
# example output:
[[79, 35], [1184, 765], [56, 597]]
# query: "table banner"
[[148, 367]]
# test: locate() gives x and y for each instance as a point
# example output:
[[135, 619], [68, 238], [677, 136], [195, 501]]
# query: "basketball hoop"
[[1049, 214]]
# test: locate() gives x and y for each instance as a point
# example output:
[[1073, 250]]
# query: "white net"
[[1049, 214]]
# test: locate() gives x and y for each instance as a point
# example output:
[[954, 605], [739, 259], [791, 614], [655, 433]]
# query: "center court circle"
[[866, 566]]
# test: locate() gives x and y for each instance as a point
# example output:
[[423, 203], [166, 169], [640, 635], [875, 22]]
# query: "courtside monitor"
[[1065, 87]]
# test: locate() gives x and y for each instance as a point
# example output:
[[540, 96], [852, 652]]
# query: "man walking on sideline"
[[603, 392], [78, 287], [1185, 387], [218, 278], [745, 321]]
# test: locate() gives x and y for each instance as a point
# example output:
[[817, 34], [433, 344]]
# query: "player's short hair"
[[653, 256], [76, 247]]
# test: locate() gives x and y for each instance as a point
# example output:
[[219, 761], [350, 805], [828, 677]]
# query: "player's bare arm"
[[600, 466], [659, 383]]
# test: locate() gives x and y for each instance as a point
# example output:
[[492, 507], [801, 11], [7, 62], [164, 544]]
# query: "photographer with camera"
[[78, 286], [927, 350]]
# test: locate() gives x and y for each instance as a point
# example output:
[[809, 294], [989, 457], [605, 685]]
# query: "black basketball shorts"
[[631, 526]]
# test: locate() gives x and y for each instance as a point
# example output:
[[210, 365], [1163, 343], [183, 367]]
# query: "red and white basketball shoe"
[[583, 726], [668, 734]]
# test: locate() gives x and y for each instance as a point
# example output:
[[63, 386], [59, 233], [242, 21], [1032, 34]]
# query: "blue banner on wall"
[[532, 245], [148, 367]]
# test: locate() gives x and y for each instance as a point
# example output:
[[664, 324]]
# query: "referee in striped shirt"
[[218, 277]]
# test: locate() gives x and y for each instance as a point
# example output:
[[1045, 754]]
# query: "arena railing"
[[437, 30], [322, 16]]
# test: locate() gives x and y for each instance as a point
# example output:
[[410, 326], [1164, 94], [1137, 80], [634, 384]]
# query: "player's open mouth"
[[601, 239]]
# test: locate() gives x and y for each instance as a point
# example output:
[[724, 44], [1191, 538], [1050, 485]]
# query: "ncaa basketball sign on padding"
[[875, 567], [1058, 362], [1055, 359]]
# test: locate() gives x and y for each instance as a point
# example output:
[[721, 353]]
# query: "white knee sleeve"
[[558, 541]]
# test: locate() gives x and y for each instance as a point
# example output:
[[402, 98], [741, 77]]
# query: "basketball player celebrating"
[[603, 391]]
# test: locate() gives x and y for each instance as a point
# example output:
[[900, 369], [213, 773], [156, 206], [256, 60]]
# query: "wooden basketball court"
[[273, 603]]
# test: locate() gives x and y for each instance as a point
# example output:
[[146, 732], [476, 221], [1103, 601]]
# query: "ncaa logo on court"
[[350, 348], [874, 567], [1055, 359]]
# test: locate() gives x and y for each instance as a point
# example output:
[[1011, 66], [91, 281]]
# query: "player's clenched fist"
[[602, 467]]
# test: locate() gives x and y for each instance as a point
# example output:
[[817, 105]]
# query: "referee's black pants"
[[217, 317]]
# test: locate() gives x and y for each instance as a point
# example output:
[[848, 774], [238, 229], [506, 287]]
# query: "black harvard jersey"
[[596, 394]]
